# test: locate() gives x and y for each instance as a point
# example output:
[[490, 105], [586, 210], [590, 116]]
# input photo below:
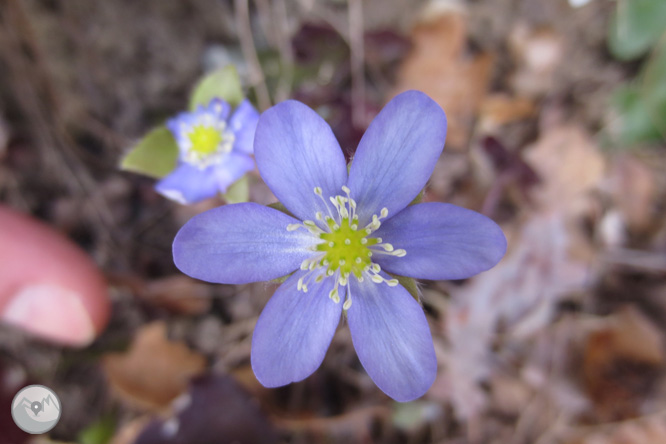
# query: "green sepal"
[[223, 83], [635, 27], [410, 285], [418, 199], [281, 280], [278, 206], [155, 155], [238, 192]]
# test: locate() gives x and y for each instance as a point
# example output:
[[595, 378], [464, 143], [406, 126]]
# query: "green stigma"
[[205, 140], [342, 249], [346, 248]]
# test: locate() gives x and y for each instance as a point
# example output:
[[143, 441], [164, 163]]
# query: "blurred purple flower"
[[347, 233], [214, 150]]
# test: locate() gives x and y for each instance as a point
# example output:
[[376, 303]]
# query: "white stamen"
[[335, 232]]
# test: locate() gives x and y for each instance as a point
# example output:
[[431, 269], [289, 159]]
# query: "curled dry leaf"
[[501, 109], [154, 370], [620, 363], [537, 53], [438, 66], [569, 163], [176, 293], [634, 190], [179, 294], [510, 395]]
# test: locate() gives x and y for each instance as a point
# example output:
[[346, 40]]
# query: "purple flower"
[[214, 150], [349, 235]]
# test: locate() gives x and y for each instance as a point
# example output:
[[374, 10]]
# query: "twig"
[[357, 56], [645, 260], [283, 90], [257, 78]]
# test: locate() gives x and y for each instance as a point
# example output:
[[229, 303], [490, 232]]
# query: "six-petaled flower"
[[214, 150], [349, 234]]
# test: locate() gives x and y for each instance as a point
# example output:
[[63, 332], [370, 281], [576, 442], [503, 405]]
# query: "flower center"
[[205, 139], [344, 249], [207, 142]]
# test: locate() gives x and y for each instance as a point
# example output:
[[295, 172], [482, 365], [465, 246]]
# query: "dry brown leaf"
[[649, 430], [438, 66], [634, 189], [620, 363], [537, 53], [569, 164], [154, 370], [500, 109], [510, 395], [179, 293]]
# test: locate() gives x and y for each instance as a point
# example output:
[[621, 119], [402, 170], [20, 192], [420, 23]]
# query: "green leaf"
[[156, 155], [635, 27], [238, 192], [223, 83], [653, 87], [99, 432], [634, 124]]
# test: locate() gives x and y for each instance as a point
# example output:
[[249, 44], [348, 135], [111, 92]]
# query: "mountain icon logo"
[[36, 409]]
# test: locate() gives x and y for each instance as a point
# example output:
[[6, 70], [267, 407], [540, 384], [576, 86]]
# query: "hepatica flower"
[[214, 150], [349, 235]]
